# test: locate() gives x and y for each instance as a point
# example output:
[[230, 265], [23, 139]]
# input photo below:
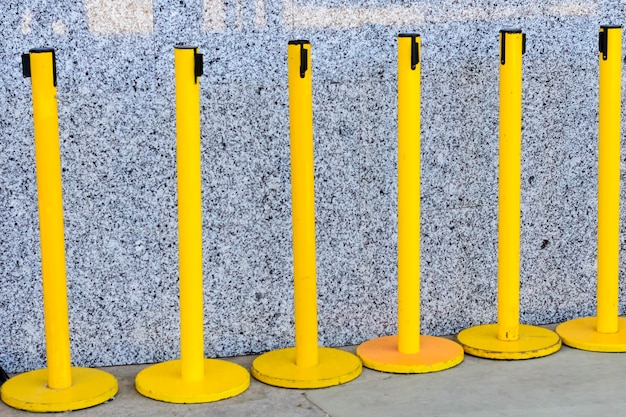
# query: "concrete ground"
[[569, 383]]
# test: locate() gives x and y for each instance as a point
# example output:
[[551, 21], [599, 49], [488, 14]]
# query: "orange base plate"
[[435, 354]]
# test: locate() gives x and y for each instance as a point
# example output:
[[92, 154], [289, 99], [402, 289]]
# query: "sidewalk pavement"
[[568, 383]]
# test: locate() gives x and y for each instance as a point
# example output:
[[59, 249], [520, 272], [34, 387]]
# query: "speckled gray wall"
[[116, 113]]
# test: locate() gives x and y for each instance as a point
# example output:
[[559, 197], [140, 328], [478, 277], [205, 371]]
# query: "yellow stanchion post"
[[192, 378], [607, 331], [409, 352], [508, 339], [60, 387], [306, 365]]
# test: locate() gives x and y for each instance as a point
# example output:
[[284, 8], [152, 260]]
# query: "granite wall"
[[116, 113]]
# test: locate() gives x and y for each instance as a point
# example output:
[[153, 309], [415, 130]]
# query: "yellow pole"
[[306, 365], [607, 331], [48, 161], [302, 201], [508, 339], [409, 352], [189, 213], [192, 378], [408, 195], [609, 177], [511, 49], [60, 387]]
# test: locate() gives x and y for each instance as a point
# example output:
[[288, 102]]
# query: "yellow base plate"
[[582, 334], [29, 391], [279, 368], [533, 342], [436, 354], [163, 382]]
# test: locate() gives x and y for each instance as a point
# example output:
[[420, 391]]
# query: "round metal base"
[[279, 368], [583, 334], [533, 342], [436, 354], [163, 382], [29, 391]]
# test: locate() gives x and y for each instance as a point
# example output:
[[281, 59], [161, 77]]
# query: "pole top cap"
[[26, 71], [299, 42], [41, 50]]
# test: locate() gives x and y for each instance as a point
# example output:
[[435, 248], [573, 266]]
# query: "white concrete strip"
[[27, 18], [288, 13], [338, 17], [260, 21], [214, 15], [59, 27], [238, 15], [297, 16], [112, 17], [574, 8], [326, 17]]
